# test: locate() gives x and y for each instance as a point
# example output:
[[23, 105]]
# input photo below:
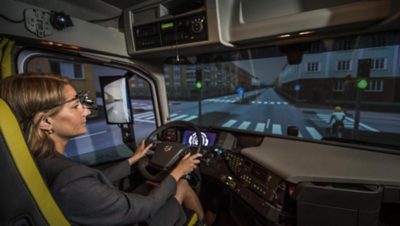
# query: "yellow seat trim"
[[6, 47], [27, 167], [193, 220]]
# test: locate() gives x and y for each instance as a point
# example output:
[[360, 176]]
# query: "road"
[[262, 111]]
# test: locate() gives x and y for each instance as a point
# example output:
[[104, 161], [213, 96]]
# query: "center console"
[[260, 188]]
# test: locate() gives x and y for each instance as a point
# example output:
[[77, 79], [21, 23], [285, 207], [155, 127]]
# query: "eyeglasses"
[[83, 98]]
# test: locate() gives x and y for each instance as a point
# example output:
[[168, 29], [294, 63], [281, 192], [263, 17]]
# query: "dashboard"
[[286, 180], [222, 161]]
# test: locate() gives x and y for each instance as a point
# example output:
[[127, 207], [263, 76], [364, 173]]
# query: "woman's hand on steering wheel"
[[186, 165], [140, 151]]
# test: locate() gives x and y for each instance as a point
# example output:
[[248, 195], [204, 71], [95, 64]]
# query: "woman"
[[51, 113]]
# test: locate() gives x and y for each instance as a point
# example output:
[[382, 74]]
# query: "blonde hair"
[[28, 95]]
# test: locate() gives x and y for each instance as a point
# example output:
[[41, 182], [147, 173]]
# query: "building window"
[[343, 65], [379, 40], [66, 69], [177, 69], [378, 64], [344, 44], [312, 67], [338, 86], [374, 86], [315, 47]]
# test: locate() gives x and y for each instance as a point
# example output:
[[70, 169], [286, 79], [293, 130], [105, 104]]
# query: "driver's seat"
[[25, 198]]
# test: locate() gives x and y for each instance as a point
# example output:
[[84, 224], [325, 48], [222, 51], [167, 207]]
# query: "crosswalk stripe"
[[226, 100], [144, 120], [144, 114], [244, 125], [300, 135], [229, 123], [190, 118], [260, 127], [363, 125], [268, 121], [276, 129], [348, 122], [314, 133], [324, 117], [178, 117]]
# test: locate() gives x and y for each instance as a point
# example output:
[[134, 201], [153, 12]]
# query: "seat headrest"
[[23, 167]]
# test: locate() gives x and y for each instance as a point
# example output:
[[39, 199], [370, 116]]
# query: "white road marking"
[[363, 125], [179, 117], [314, 133], [229, 123], [89, 135], [348, 122], [144, 114], [244, 125], [260, 127], [190, 118], [276, 129]]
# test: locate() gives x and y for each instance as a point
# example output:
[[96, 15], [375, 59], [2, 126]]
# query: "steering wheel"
[[166, 153]]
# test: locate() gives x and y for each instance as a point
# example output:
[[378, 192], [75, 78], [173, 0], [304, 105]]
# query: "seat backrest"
[[24, 197]]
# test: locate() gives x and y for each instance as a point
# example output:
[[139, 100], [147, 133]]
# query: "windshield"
[[345, 89]]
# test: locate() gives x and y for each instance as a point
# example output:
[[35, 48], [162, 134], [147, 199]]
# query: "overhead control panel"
[[187, 29], [161, 27]]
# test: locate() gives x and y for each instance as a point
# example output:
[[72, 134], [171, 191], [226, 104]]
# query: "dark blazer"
[[86, 196]]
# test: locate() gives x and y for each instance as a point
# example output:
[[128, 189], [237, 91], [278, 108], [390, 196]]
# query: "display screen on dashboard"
[[190, 138]]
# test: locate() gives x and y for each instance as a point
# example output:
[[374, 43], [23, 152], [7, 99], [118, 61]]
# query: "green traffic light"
[[362, 84], [199, 85]]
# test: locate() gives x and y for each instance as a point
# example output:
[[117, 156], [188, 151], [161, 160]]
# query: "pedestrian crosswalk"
[[348, 122], [267, 126], [237, 100], [263, 127], [149, 117]]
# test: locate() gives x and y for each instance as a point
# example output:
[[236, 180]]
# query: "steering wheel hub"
[[167, 153]]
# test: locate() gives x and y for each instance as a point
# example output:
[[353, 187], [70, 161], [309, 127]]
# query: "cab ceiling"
[[89, 10]]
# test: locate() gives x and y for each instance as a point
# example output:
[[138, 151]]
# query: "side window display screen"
[[116, 99]]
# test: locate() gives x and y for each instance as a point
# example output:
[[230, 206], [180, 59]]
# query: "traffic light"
[[199, 79], [364, 68], [362, 83], [198, 85]]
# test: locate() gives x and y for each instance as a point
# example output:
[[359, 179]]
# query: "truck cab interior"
[[294, 104]]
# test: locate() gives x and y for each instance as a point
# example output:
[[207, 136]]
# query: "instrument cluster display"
[[190, 138]]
